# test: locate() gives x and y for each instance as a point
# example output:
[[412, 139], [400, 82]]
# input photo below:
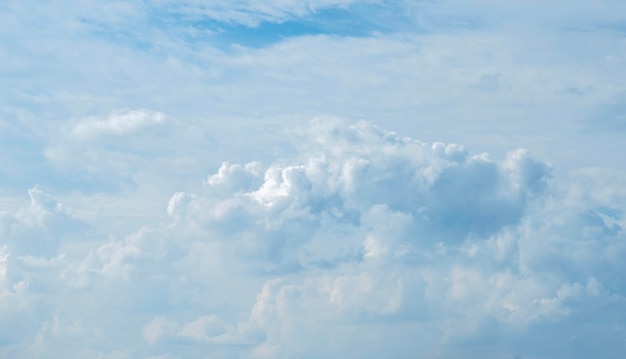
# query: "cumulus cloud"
[[354, 174], [360, 243], [390, 228]]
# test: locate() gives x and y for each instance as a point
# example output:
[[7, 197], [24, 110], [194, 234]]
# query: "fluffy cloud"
[[360, 242], [104, 152], [117, 124], [352, 176], [387, 228], [30, 257]]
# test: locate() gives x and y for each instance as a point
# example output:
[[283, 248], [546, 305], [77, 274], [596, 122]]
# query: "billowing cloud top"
[[359, 233]]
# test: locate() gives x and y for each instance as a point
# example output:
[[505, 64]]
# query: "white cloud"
[[353, 169], [358, 232], [242, 177], [437, 233], [117, 124], [40, 227], [105, 154]]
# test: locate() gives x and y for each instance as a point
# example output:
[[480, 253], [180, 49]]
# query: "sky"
[[312, 179]]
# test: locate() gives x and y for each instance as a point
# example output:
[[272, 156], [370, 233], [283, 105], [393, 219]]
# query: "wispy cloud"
[[251, 13]]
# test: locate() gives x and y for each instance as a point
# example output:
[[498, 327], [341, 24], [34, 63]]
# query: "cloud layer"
[[152, 204], [361, 242]]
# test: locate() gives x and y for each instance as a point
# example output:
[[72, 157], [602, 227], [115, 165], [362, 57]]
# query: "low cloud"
[[351, 176], [118, 124], [359, 233], [369, 227]]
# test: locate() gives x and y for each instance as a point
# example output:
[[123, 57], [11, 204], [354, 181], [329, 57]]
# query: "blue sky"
[[307, 179]]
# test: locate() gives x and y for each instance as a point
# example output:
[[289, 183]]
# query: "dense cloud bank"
[[361, 243]]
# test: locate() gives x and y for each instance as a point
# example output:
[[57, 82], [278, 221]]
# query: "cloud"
[[101, 154], [371, 227], [386, 78], [251, 13], [357, 233], [40, 227], [441, 191], [31, 253], [118, 124]]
